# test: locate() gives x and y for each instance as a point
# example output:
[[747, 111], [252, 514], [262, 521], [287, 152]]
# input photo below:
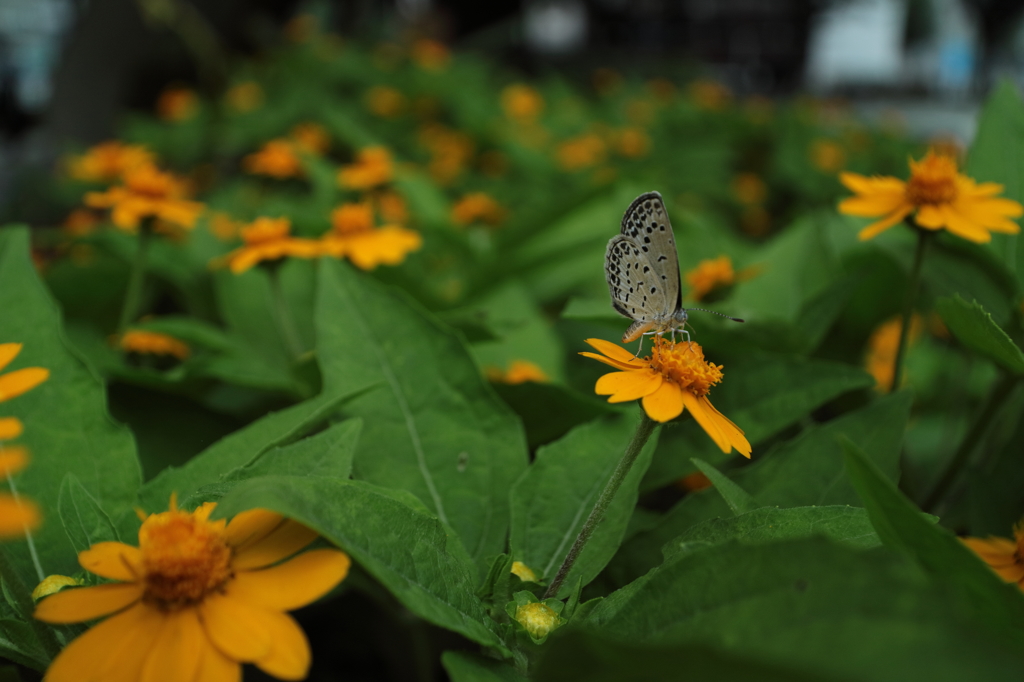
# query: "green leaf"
[[738, 499], [847, 525], [976, 329], [239, 449], [463, 666], [327, 454], [553, 499], [409, 551], [591, 656], [997, 155], [814, 606], [67, 427], [549, 411], [763, 393], [433, 426], [18, 643], [807, 470], [902, 526], [84, 520]]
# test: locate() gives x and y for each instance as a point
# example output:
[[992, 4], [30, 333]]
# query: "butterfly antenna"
[[715, 312]]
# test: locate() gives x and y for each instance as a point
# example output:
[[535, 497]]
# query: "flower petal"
[[872, 205], [611, 363], [284, 541], [114, 560], [8, 351], [85, 659], [289, 658], [992, 550], [10, 428], [85, 603], [237, 628], [294, 583], [15, 383], [961, 227], [250, 526], [664, 404], [13, 459], [175, 652], [731, 431], [706, 421], [17, 515], [130, 652], [214, 666], [626, 386], [929, 217], [615, 352], [876, 228]]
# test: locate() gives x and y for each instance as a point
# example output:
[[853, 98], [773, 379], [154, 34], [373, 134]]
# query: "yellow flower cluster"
[[17, 515]]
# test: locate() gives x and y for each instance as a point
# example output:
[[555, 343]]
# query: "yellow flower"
[[1004, 556], [519, 372], [17, 514], [311, 138], [195, 600], [450, 151], [523, 572], [708, 94], [177, 104], [224, 227], [152, 343], [883, 347], [749, 188], [353, 236], [80, 222], [391, 207], [581, 152], [663, 89], [673, 378], [371, 168], [477, 207], [430, 55], [714, 273], [276, 158], [147, 192], [632, 143], [19, 381], [267, 239], [538, 619], [710, 273], [938, 195], [244, 96], [521, 103], [108, 161], [827, 156], [302, 27], [385, 102]]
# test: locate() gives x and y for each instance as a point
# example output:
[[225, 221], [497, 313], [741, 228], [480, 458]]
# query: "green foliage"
[[377, 405]]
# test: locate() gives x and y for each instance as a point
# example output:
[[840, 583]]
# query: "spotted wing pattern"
[[646, 223], [633, 282]]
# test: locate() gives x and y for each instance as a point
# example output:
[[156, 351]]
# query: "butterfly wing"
[[636, 289], [646, 223]]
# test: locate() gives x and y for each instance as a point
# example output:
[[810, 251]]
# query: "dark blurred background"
[[68, 68]]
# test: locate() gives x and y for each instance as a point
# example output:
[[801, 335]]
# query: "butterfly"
[[642, 269]]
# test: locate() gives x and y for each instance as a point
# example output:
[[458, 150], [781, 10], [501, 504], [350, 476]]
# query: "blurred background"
[[70, 68]]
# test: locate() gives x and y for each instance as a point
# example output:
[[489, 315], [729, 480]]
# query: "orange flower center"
[[932, 180], [683, 363], [184, 558]]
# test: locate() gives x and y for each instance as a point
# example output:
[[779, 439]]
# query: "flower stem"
[[23, 601], [283, 313], [133, 296], [643, 432], [913, 285], [995, 401]]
